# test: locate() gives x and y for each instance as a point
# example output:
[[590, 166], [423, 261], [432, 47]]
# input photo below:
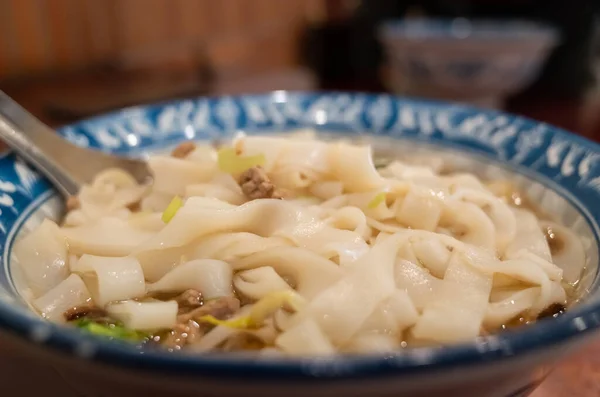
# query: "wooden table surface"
[[576, 376]]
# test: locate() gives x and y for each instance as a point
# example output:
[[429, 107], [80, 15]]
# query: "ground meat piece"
[[89, 311], [554, 310], [72, 203], [188, 300], [182, 334], [220, 308], [256, 184], [183, 149], [188, 329], [135, 207]]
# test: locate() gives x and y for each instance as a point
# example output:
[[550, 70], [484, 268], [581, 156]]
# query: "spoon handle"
[[36, 143]]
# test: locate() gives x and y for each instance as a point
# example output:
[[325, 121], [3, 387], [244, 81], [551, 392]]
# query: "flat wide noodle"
[[210, 277], [297, 246], [457, 312], [43, 257], [366, 285]]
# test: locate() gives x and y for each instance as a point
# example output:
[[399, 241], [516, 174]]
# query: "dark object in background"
[[346, 54], [326, 49]]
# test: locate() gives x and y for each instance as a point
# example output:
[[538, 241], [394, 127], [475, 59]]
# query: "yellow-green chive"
[[377, 200], [229, 162], [172, 209]]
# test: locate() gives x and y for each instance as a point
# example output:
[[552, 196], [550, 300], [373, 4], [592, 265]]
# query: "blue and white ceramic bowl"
[[475, 61], [559, 171]]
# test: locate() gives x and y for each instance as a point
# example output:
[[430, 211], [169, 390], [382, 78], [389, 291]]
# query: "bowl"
[[558, 170], [476, 61]]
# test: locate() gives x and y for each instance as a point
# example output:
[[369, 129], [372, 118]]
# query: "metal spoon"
[[66, 165]]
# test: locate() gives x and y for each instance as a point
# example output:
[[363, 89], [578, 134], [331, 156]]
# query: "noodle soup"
[[301, 246]]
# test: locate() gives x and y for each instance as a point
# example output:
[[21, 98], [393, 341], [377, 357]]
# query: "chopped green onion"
[[172, 209], [263, 308], [239, 323], [115, 331], [273, 301], [231, 163], [377, 200]]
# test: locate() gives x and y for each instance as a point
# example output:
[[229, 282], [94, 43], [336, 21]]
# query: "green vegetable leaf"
[[116, 331]]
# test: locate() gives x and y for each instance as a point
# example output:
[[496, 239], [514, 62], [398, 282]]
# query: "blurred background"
[[69, 59]]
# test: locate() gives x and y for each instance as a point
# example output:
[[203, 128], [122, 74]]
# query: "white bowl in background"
[[475, 61]]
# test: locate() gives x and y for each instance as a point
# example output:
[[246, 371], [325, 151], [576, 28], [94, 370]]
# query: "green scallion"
[[172, 209]]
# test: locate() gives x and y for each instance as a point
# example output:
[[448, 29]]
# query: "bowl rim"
[[576, 323], [468, 29]]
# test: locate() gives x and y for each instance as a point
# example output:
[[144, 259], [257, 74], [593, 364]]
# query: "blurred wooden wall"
[[47, 36]]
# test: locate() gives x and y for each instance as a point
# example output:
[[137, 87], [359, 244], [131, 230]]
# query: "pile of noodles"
[[371, 258]]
